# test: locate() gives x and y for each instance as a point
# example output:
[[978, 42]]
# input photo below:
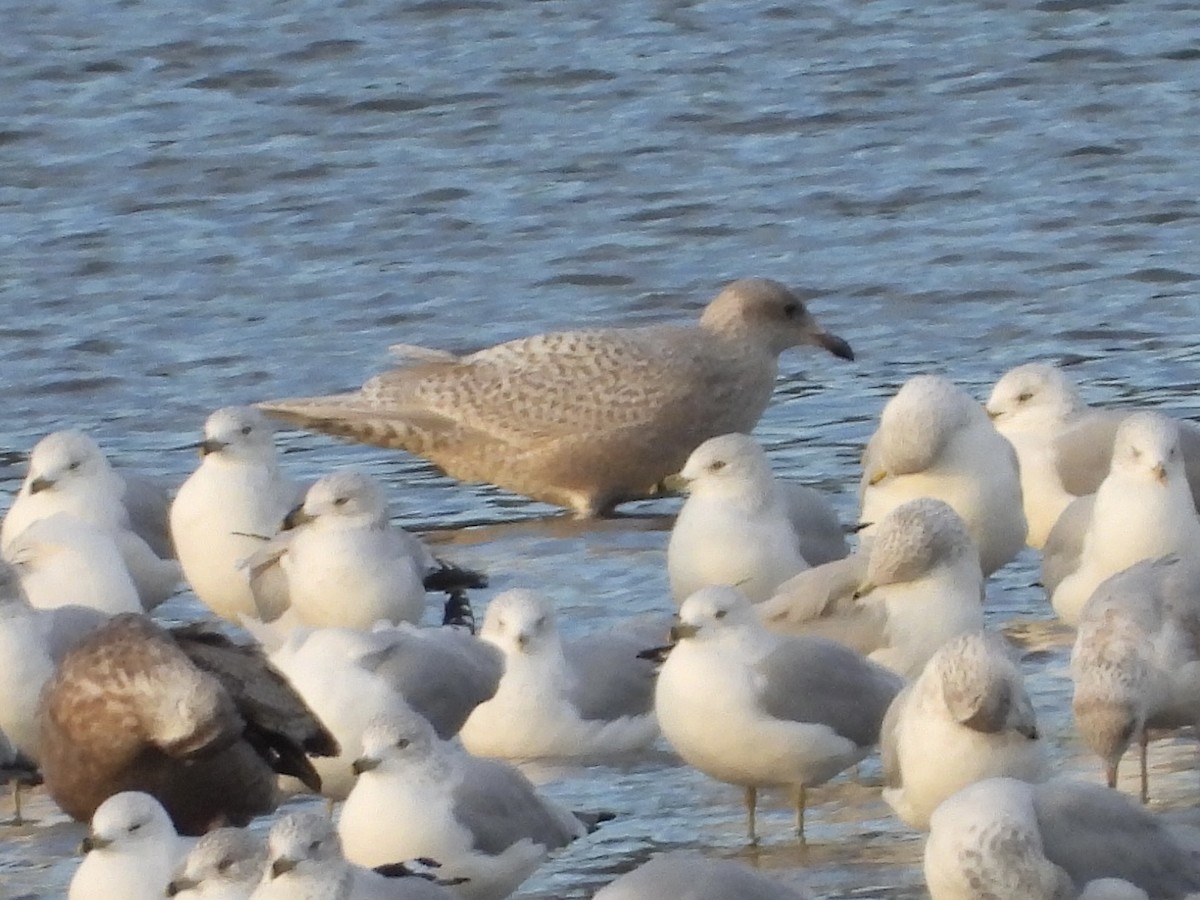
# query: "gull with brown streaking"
[[585, 419], [188, 716]]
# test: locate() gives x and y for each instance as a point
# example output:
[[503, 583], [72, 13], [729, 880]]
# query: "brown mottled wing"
[[279, 724]]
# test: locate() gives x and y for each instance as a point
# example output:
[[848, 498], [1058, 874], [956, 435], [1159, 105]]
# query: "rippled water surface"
[[198, 209]]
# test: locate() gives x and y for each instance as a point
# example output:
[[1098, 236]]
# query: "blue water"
[[253, 201]]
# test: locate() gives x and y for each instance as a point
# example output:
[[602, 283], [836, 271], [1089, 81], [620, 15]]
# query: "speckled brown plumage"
[[584, 419], [193, 719]]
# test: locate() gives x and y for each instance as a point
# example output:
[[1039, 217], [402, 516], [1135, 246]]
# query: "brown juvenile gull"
[[584, 419], [187, 716]]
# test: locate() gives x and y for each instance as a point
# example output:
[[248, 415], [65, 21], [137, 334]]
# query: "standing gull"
[[934, 440], [1011, 840], [131, 851], [343, 562], [225, 864], [586, 698], [917, 583], [69, 473], [583, 419], [689, 876], [1064, 446], [201, 723], [225, 510], [966, 718], [1142, 510], [1136, 660], [418, 796], [756, 709], [736, 527]]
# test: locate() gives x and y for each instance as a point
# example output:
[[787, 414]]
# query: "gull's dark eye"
[[314, 847], [720, 613], [1024, 396], [402, 743], [793, 309], [135, 826], [246, 429], [73, 466], [225, 865], [341, 501], [716, 465]]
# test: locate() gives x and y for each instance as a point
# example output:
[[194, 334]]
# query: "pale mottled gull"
[[64, 560], [756, 709], [934, 440], [584, 419], [916, 585], [1012, 840], [966, 718], [684, 875], [222, 514], [586, 698], [225, 864], [344, 564], [1136, 660], [187, 716], [68, 472], [1142, 510], [131, 848], [418, 796], [1064, 446], [735, 527], [304, 850]]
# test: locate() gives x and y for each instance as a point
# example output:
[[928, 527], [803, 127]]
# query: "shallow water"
[[255, 202]]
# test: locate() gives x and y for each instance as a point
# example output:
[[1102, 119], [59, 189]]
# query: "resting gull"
[[966, 718], [225, 864], [914, 585], [1064, 446], [583, 419], [343, 564], [65, 560], [1012, 840], [131, 848], [1136, 660], [68, 472], [756, 709], [418, 796], [934, 440], [737, 525], [236, 498], [585, 698], [683, 875], [188, 716], [1143, 510], [303, 848]]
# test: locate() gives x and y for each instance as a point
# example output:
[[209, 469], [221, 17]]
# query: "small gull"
[[418, 796], [584, 419], [966, 718], [934, 440], [225, 864], [585, 698], [236, 498], [63, 560], [684, 875], [185, 715], [735, 527], [916, 584], [303, 849], [131, 851], [69, 473], [343, 562], [1012, 840], [1136, 660], [1142, 510], [756, 709], [1064, 446]]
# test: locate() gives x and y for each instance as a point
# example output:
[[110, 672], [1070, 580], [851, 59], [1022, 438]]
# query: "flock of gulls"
[[789, 658]]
